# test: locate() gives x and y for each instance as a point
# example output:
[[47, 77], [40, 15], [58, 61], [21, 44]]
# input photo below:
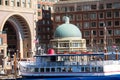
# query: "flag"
[[39, 48], [36, 41], [113, 46]]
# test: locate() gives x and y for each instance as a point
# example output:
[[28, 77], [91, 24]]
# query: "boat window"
[[32, 70], [58, 69], [94, 69], [100, 69], [52, 69], [47, 69], [64, 69], [87, 69], [82, 69], [70, 70], [42, 69], [36, 69]]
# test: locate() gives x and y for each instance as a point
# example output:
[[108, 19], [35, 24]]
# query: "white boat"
[[71, 65]]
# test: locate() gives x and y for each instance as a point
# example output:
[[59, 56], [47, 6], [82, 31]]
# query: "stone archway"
[[18, 36]]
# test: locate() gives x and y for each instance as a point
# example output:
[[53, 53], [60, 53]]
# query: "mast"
[[92, 40], [105, 38]]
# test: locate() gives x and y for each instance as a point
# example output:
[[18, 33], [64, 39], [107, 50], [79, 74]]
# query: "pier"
[[10, 76]]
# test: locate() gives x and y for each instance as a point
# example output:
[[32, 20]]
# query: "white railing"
[[92, 63]]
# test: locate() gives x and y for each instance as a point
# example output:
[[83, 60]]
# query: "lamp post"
[[8, 53], [30, 51], [17, 53]]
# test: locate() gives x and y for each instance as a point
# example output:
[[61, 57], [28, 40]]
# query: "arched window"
[[6, 2], [23, 3], [29, 3], [0, 2], [18, 3], [12, 2]]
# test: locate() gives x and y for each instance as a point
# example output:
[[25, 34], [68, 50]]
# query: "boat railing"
[[92, 63], [100, 63]]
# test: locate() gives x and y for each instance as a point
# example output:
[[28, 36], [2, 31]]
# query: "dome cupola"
[[67, 30]]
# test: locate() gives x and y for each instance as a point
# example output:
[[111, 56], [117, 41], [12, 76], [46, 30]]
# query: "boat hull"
[[72, 74]]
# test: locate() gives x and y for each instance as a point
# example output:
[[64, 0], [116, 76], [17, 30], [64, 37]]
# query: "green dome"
[[67, 30]]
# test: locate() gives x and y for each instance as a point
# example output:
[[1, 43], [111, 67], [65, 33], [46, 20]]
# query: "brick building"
[[91, 17]]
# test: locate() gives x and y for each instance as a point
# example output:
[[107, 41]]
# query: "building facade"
[[45, 22], [45, 29], [44, 5], [18, 20], [91, 17]]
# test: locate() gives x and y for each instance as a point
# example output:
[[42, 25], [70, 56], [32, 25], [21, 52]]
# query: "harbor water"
[[116, 77]]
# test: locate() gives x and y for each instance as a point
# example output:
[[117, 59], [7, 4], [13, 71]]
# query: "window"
[[85, 16], [39, 14], [94, 32], [43, 23], [71, 8], [101, 6], [79, 25], [1, 41], [109, 23], [109, 41], [39, 6], [23, 3], [48, 22], [94, 41], [75, 45], [0, 2], [100, 69], [116, 5], [72, 17], [117, 40], [93, 24], [47, 69], [36, 69], [87, 41], [109, 14], [57, 18], [18, 3], [86, 7], [64, 9], [78, 17], [101, 15], [116, 14], [93, 16], [86, 33], [79, 8], [101, 24], [117, 23], [116, 32], [93, 6], [101, 41], [52, 69], [101, 33], [86, 24], [7, 2], [57, 9], [29, 3], [82, 69], [42, 69], [12, 2], [109, 5], [110, 32]]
